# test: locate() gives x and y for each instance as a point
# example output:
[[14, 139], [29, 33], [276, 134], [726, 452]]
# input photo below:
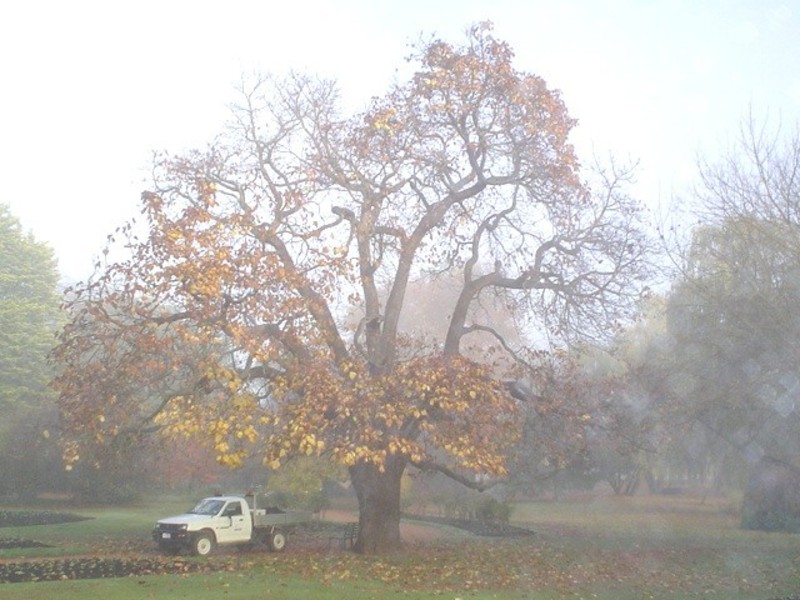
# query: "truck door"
[[235, 523]]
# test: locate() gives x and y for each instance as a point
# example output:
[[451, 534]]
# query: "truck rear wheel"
[[203, 543], [277, 541]]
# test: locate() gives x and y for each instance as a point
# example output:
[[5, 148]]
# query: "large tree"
[[262, 248]]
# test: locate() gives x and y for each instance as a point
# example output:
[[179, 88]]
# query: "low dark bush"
[[771, 521], [482, 528], [772, 497], [490, 510]]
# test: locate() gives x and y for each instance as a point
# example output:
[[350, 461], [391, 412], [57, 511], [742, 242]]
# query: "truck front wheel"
[[277, 541], [203, 543]]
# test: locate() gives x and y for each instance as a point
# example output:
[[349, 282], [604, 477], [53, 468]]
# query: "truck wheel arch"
[[204, 542]]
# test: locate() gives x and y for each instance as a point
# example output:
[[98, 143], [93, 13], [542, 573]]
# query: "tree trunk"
[[632, 481], [378, 506]]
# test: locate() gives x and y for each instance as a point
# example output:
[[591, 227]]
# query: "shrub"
[[490, 510], [772, 497], [771, 521]]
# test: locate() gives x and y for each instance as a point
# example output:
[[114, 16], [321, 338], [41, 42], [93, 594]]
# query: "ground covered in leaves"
[[581, 551]]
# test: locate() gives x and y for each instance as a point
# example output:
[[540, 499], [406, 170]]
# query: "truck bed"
[[262, 518]]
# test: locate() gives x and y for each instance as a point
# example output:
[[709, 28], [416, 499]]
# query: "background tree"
[[302, 482], [29, 318], [262, 244], [585, 423], [726, 369], [732, 318]]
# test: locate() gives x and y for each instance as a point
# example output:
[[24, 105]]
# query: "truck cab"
[[230, 520]]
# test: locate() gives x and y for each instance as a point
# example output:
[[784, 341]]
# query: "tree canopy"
[[723, 371], [29, 319], [231, 318], [29, 309]]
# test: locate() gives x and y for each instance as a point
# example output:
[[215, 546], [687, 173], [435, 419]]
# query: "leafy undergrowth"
[[527, 565], [617, 551], [459, 570], [22, 518]]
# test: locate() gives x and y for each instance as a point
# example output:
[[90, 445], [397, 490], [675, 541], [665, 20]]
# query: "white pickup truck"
[[227, 520]]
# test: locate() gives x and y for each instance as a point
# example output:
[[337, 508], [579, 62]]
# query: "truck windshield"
[[208, 506]]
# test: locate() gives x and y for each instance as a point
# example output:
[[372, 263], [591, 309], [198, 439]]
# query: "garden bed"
[[24, 518], [97, 568]]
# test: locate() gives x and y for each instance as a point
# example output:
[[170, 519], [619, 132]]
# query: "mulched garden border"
[[24, 518], [98, 568], [480, 528]]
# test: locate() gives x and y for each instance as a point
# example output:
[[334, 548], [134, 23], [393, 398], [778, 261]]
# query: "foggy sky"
[[91, 88]]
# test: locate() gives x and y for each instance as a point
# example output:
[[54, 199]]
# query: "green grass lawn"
[[606, 548]]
